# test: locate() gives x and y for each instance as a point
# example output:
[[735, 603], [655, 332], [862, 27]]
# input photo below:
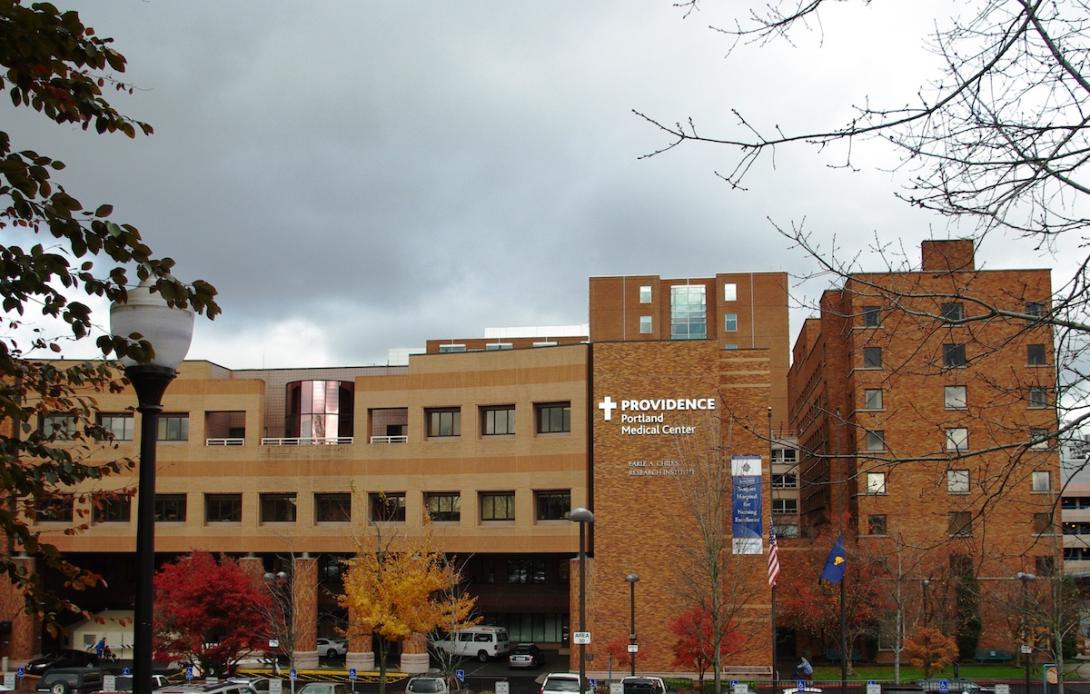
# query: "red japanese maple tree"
[[693, 647], [208, 612]]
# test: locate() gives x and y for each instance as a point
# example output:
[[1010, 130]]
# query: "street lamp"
[[583, 517], [632, 578], [169, 331], [926, 616], [1025, 578]]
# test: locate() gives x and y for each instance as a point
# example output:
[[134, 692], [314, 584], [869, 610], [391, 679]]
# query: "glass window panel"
[[872, 357], [1042, 482], [872, 398], [730, 291], [957, 481], [954, 397], [730, 322], [957, 439], [645, 325], [645, 294], [876, 483], [1035, 355]]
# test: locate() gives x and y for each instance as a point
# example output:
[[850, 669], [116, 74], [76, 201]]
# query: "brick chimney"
[[955, 255]]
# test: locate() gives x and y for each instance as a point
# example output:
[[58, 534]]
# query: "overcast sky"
[[359, 176]]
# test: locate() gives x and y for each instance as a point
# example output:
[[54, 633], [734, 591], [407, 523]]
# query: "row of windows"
[[949, 312], [955, 398], [730, 292], [499, 420], [62, 427], [960, 524], [730, 324], [1075, 503], [329, 507], [956, 439], [957, 482], [953, 356]]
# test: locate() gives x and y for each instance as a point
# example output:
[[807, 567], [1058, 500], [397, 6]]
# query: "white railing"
[[225, 442], [389, 439], [307, 441]]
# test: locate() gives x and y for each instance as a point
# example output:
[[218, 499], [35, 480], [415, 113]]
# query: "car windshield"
[[54, 677], [563, 685], [426, 686], [523, 650]]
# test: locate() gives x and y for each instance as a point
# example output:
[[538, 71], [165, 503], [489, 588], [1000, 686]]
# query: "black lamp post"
[[632, 579], [926, 608], [169, 331], [583, 517], [1025, 578]]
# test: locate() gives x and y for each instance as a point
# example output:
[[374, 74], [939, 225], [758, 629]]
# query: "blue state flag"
[[835, 563]]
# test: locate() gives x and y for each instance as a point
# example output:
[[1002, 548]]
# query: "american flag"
[[773, 560]]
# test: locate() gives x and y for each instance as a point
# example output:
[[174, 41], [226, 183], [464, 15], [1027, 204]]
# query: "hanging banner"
[[747, 518]]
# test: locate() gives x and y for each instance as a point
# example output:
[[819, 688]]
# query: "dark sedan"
[[66, 657]]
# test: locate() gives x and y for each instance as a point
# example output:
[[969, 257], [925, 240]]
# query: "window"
[[876, 524], [960, 523], [497, 506], [953, 356], [1042, 524], [228, 426], [645, 325], [111, 508], [498, 346], [444, 422], [876, 483], [645, 294], [554, 418], [785, 481], [872, 316], [1039, 438], [443, 506], [173, 427], [688, 313], [222, 508], [498, 421], [333, 507], [1041, 481], [785, 506], [872, 399], [957, 440], [872, 357], [277, 508], [785, 529], [552, 505], [451, 348], [1038, 397], [954, 397], [957, 481], [170, 508], [1035, 309], [730, 322], [118, 426], [730, 291], [953, 312], [388, 507], [524, 571], [1035, 355], [59, 427], [56, 509], [876, 440]]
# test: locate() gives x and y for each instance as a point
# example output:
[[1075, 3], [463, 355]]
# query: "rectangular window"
[[553, 418], [960, 523], [785, 506], [730, 291], [957, 440], [117, 426], [451, 348], [552, 505], [1042, 524], [1035, 309], [526, 571], [645, 293], [955, 397], [957, 481], [498, 346], [645, 325], [497, 506], [1041, 482], [111, 508], [872, 316], [333, 507], [277, 508], [953, 356], [1038, 397], [1039, 438], [1045, 565], [173, 427], [785, 481], [876, 483], [387, 507], [872, 357], [688, 312], [55, 509], [170, 508], [872, 399], [222, 508], [730, 322], [876, 524], [498, 420], [59, 427], [1035, 355], [953, 312], [875, 440], [445, 421], [443, 506]]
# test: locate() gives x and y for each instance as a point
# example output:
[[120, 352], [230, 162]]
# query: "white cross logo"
[[607, 406]]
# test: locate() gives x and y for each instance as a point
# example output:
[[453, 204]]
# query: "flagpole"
[[772, 535], [843, 639], [775, 678]]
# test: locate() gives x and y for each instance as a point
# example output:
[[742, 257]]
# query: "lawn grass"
[[884, 673]]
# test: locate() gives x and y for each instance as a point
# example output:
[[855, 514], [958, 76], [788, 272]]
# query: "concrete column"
[[253, 567], [361, 654], [414, 654], [304, 601], [25, 640]]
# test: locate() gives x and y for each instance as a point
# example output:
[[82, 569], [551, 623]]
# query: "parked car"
[[427, 685], [804, 690], [332, 647], [954, 686], [227, 687], [123, 683], [71, 680], [563, 683], [525, 655], [66, 657], [323, 688], [643, 685], [480, 642]]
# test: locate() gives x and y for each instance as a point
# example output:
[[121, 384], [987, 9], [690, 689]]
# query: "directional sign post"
[[20, 673], [633, 648], [9, 680]]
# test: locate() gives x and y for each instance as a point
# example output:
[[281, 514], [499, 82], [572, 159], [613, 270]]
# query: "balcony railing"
[[389, 439], [225, 442], [307, 441]]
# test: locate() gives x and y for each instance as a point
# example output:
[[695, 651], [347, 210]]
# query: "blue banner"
[[747, 528]]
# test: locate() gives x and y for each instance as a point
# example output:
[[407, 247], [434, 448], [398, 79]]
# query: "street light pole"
[[583, 517], [1025, 578], [926, 608], [632, 579]]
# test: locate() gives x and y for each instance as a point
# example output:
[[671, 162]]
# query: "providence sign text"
[[637, 420]]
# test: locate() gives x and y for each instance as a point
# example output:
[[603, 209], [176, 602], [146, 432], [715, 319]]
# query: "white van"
[[481, 643]]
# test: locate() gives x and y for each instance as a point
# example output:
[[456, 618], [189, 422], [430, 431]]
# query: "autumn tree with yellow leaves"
[[397, 589]]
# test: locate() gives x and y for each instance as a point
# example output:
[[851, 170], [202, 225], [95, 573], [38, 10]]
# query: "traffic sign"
[[502, 687], [460, 675], [593, 682], [1026, 648], [633, 648], [944, 685], [189, 673], [800, 685], [9, 680], [1002, 689], [276, 686], [20, 673], [733, 684], [616, 688], [109, 683], [292, 674], [126, 672], [581, 638], [874, 688], [351, 674], [741, 688]]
